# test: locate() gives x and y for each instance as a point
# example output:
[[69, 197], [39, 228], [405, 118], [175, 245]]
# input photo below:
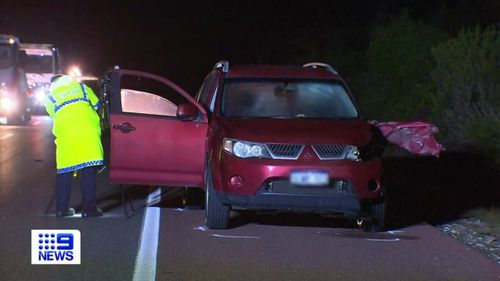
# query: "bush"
[[467, 77]]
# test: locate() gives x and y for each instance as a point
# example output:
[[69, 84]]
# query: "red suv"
[[256, 137]]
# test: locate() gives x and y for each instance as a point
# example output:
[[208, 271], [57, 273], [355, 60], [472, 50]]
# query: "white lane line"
[[234, 236], [145, 261], [6, 136]]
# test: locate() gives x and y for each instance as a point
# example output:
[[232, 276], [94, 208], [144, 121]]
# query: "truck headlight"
[[7, 104], [245, 149]]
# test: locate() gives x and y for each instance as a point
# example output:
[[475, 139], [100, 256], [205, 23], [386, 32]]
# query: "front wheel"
[[217, 214], [377, 221]]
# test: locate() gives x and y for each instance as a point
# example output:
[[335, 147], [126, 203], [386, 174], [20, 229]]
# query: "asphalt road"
[[171, 243]]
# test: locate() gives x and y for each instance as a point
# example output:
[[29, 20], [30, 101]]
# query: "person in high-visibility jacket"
[[76, 127]]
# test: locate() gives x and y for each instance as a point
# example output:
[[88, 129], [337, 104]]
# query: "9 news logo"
[[55, 246]]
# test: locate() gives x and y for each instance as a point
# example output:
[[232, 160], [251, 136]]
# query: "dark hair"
[[55, 77]]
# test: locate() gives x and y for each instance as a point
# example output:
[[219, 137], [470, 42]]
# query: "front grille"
[[285, 151], [330, 151], [283, 186]]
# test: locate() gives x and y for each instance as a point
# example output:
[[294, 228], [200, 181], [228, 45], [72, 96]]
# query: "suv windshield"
[[38, 64], [286, 99], [6, 57]]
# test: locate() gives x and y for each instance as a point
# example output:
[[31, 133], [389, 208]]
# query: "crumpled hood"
[[300, 131], [416, 137]]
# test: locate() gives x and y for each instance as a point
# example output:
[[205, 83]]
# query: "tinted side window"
[[204, 91]]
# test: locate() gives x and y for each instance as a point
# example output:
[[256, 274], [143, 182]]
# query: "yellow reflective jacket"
[[76, 125]]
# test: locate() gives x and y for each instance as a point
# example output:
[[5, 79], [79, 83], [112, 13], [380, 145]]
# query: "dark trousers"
[[87, 185]]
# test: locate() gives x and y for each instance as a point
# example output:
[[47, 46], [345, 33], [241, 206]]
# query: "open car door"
[[157, 131]]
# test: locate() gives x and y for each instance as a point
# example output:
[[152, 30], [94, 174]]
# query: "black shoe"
[[68, 213], [94, 213]]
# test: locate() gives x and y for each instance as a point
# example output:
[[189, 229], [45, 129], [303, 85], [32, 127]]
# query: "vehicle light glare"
[[40, 95], [241, 149], [75, 72], [7, 104], [256, 151]]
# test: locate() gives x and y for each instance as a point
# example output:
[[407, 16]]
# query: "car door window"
[[141, 95], [147, 103]]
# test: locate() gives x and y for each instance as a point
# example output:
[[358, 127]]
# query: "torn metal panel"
[[416, 137]]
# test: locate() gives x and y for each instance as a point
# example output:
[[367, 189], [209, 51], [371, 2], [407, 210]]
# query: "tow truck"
[[14, 105]]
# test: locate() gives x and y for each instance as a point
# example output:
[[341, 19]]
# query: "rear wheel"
[[217, 214]]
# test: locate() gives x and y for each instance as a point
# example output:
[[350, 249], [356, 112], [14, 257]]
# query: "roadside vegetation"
[[490, 216], [420, 72], [453, 81]]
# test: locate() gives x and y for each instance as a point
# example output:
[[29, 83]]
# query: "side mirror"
[[187, 111]]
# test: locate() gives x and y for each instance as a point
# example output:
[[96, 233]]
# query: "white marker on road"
[[394, 231], [385, 240], [234, 236], [145, 262], [202, 228], [6, 136]]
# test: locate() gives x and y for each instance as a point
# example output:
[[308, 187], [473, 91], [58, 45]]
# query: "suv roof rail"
[[321, 64], [224, 64]]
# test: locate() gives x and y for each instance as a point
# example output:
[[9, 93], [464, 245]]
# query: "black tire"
[[377, 221], [217, 214]]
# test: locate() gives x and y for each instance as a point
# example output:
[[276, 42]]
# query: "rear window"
[[287, 99], [39, 64]]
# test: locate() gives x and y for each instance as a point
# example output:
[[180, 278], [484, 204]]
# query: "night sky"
[[182, 40]]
